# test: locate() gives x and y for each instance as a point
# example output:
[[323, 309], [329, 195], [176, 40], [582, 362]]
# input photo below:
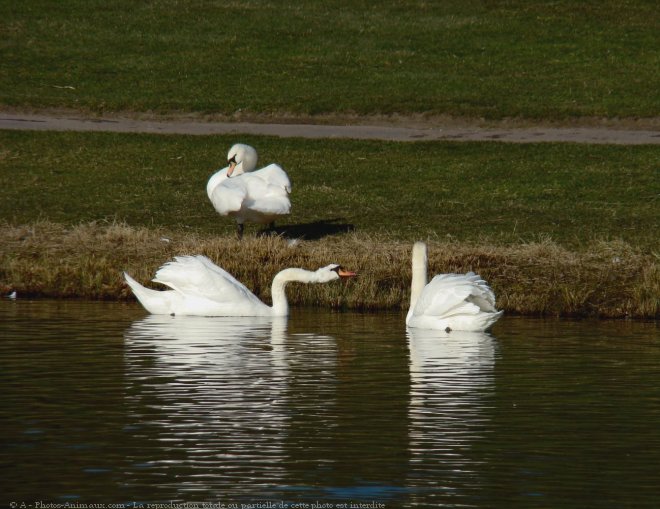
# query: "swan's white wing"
[[270, 205], [197, 276], [454, 294], [266, 198], [229, 195], [253, 192], [274, 175], [215, 180]]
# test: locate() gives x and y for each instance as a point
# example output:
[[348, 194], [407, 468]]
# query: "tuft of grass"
[[538, 60], [608, 280]]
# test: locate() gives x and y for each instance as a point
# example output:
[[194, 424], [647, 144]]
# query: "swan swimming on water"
[[260, 196], [201, 288], [450, 301]]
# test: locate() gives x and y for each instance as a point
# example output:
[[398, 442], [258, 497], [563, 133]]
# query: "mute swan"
[[238, 191], [450, 301], [201, 288]]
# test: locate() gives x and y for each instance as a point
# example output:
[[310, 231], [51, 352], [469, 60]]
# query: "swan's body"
[[246, 194], [201, 288], [450, 301]]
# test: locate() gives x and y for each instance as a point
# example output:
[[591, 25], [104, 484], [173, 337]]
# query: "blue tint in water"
[[366, 492]]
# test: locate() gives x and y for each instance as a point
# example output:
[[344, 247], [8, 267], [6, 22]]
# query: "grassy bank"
[[610, 279], [485, 193], [491, 59], [557, 229]]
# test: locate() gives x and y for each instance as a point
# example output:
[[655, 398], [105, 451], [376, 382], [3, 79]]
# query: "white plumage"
[[201, 288], [246, 194], [450, 301]]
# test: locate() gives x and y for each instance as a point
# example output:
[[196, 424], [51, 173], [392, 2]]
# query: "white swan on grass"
[[201, 288], [449, 302], [238, 191]]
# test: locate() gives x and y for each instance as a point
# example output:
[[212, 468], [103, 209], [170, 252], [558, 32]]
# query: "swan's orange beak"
[[232, 165], [346, 273]]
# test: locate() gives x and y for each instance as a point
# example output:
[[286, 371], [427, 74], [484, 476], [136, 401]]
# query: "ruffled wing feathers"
[[197, 276], [455, 294], [265, 191]]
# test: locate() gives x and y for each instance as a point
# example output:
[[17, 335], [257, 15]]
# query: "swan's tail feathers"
[[483, 296], [470, 318], [490, 319], [154, 301]]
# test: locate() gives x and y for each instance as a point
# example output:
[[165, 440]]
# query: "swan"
[[201, 288], [238, 191], [449, 302]]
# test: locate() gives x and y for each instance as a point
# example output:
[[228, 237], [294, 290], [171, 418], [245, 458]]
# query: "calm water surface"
[[102, 403]]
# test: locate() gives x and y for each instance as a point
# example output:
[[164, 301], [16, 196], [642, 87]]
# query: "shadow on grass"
[[310, 231]]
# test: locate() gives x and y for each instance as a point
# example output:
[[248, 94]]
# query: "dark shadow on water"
[[310, 231]]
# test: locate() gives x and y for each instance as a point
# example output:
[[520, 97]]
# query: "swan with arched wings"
[[201, 288]]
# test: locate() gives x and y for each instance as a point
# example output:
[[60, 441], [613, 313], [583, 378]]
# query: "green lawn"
[[478, 192], [491, 59]]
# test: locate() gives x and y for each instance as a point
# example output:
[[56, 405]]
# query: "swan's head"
[[332, 272], [241, 158]]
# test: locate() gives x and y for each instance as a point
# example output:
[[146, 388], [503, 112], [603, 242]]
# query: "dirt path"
[[72, 121]]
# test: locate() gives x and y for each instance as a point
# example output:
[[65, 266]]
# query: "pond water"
[[102, 403]]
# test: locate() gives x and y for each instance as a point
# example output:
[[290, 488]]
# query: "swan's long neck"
[[280, 303], [419, 263]]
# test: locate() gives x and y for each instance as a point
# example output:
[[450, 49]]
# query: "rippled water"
[[103, 403]]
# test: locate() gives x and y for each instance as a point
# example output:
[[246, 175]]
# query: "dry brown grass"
[[607, 279]]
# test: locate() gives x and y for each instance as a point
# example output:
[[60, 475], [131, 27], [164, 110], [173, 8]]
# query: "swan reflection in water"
[[451, 382], [229, 406], [185, 343], [205, 391]]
